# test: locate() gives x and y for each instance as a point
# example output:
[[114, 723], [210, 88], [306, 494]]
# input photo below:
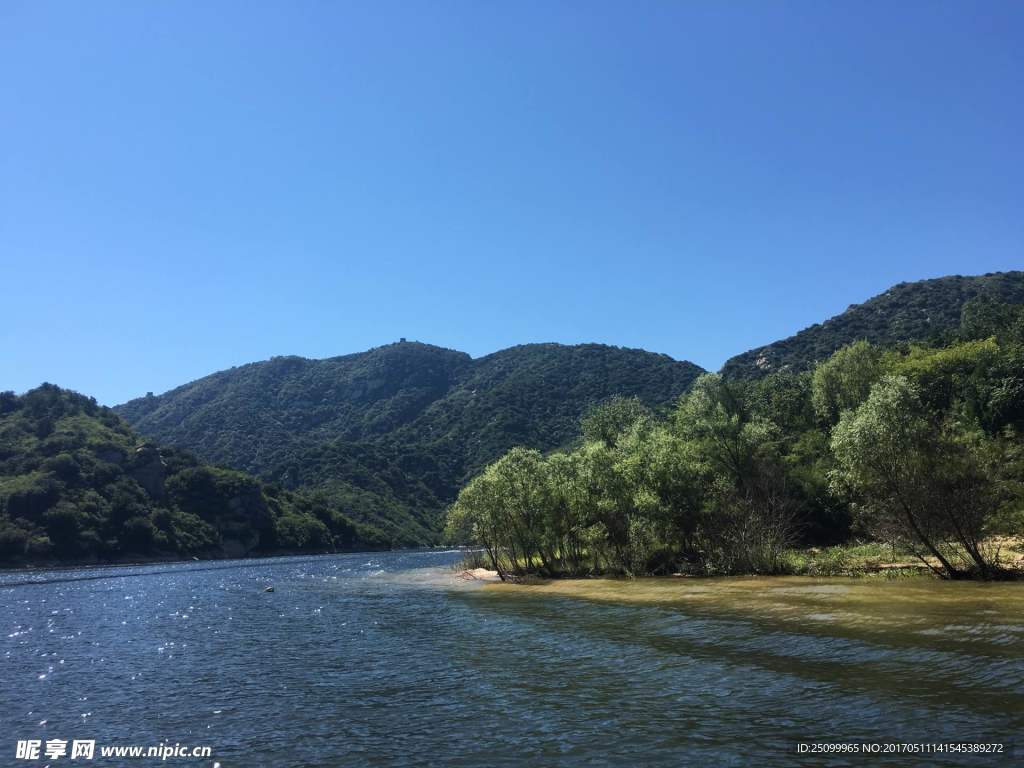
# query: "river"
[[386, 659]]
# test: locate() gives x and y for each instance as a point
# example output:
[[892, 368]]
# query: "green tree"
[[138, 535], [844, 380], [508, 510], [958, 373], [608, 422], [665, 476], [571, 519], [915, 477], [715, 417], [749, 515]]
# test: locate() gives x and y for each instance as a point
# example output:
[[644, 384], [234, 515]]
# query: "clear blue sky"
[[186, 186]]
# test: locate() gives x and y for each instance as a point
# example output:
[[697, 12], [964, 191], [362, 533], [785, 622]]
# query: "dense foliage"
[[775, 450], [391, 434], [917, 446], [76, 483], [923, 311]]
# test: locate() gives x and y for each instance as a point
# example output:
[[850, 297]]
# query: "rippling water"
[[385, 659]]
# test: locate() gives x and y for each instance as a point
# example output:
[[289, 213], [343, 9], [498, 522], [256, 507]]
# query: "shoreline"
[[855, 560], [850, 606]]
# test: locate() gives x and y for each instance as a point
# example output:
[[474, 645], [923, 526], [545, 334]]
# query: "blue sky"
[[186, 186]]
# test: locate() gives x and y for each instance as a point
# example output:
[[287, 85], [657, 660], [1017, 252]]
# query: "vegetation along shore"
[[914, 447], [884, 440]]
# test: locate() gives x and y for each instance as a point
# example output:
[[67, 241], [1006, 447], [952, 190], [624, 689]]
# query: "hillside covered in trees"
[[922, 311], [370, 449], [78, 484], [391, 434], [916, 447]]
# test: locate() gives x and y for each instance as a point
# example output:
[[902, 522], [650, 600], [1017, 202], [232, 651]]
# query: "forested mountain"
[[391, 433], [535, 394], [257, 416], [369, 449], [927, 310], [77, 483]]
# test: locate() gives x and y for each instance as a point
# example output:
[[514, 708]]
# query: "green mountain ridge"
[[925, 310], [393, 432], [386, 438]]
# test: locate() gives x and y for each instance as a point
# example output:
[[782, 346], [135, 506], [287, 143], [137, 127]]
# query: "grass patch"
[[855, 559], [886, 561]]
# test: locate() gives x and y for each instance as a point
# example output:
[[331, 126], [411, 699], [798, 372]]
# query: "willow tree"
[[918, 477], [749, 517], [507, 509], [474, 519], [571, 514], [663, 472]]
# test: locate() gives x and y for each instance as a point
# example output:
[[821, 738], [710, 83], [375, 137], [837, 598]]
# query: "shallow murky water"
[[387, 660]]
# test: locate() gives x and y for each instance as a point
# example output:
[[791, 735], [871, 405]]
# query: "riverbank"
[[874, 559], [853, 560]]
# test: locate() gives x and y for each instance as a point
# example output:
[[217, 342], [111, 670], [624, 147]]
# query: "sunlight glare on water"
[[387, 658]]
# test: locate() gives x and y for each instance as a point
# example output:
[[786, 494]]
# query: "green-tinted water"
[[758, 665]]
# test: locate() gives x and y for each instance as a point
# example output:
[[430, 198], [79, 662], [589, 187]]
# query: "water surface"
[[386, 659]]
